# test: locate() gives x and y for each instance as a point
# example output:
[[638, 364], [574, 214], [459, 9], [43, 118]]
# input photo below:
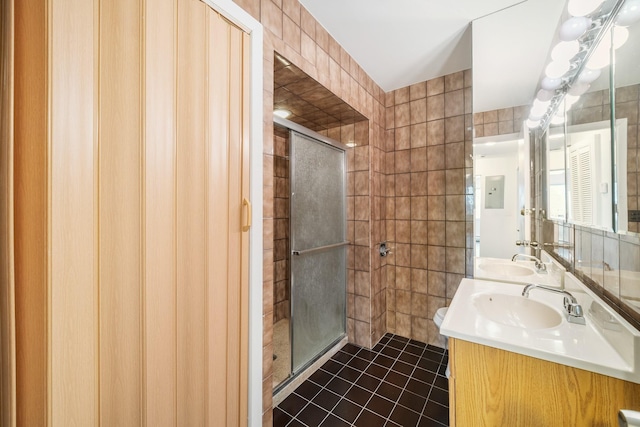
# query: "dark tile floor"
[[400, 382]]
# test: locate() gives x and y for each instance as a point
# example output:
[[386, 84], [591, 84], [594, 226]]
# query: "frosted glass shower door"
[[318, 242]]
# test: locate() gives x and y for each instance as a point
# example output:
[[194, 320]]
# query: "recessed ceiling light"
[[351, 144], [282, 113]]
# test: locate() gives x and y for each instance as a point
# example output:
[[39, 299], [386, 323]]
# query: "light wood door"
[[131, 214]]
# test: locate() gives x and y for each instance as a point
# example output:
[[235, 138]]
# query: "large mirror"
[[626, 79], [589, 164], [581, 176], [591, 151], [503, 88]]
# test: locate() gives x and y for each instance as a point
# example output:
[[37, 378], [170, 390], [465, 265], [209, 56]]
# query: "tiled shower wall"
[[446, 128], [428, 201], [361, 268], [281, 191], [290, 30]]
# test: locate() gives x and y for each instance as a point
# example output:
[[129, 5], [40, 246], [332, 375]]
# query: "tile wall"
[[281, 304], [431, 267], [500, 122], [361, 267], [428, 201], [291, 31]]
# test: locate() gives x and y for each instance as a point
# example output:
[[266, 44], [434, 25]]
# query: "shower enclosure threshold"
[[283, 390]]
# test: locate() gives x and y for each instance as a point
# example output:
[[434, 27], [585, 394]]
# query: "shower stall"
[[315, 257]]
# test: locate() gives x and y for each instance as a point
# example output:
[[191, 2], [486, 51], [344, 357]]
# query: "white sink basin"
[[516, 310], [505, 269], [496, 314]]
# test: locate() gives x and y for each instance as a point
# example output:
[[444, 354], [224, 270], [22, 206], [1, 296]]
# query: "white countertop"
[[612, 350]]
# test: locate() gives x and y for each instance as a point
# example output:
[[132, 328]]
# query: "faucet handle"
[[574, 311], [527, 243]]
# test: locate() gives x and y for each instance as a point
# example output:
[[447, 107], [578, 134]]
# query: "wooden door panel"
[[120, 212], [159, 340], [134, 284]]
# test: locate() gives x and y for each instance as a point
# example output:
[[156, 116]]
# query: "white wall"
[[499, 227]]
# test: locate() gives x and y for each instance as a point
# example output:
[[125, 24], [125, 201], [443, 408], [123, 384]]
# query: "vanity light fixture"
[[570, 73], [629, 14], [550, 84], [545, 95], [532, 124], [564, 51], [589, 75], [557, 69], [573, 28], [578, 89], [282, 113]]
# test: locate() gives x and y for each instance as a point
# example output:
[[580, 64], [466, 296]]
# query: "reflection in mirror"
[[601, 165], [509, 51], [627, 83], [499, 194], [555, 174]]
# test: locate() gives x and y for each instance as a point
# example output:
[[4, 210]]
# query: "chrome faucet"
[[571, 306], [540, 266]]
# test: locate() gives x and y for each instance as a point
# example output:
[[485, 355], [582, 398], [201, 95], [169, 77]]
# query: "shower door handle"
[[319, 249]]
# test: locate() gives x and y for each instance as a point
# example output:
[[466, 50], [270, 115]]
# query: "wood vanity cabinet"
[[493, 387]]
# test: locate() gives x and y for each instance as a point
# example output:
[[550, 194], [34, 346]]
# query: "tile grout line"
[[392, 343]]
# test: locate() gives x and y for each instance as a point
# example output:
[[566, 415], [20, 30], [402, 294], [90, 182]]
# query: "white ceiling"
[[409, 41]]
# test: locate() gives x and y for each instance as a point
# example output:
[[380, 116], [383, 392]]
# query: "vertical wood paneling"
[[131, 168], [245, 176], [73, 281], [120, 159], [159, 394], [31, 211], [7, 289], [218, 219], [191, 210], [235, 218]]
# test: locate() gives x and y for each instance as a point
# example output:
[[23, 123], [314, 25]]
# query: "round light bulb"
[[579, 88], [583, 7], [574, 27], [564, 51], [535, 116], [545, 95], [588, 75], [629, 13], [538, 109], [557, 69], [557, 119], [569, 100], [282, 113], [548, 83], [600, 57], [531, 124], [620, 36]]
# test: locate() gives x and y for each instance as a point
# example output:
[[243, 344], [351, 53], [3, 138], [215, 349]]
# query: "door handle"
[[246, 203]]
